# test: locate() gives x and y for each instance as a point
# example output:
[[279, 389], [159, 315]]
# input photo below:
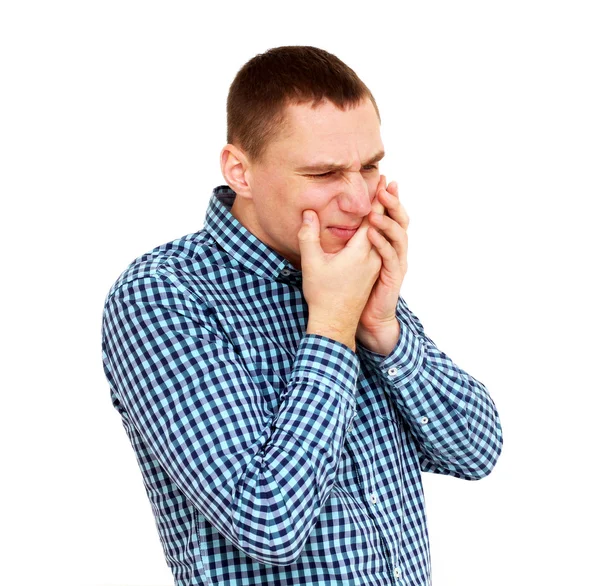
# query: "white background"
[[112, 117]]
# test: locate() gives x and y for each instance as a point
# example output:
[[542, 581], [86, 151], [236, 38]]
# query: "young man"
[[281, 398]]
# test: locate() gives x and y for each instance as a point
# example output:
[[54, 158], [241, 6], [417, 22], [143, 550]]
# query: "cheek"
[[317, 196], [320, 199], [372, 183]]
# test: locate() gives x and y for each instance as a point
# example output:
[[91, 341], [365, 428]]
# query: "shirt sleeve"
[[451, 414], [259, 477]]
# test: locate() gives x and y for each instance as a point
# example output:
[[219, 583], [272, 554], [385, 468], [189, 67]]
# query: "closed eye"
[[323, 174], [329, 173]]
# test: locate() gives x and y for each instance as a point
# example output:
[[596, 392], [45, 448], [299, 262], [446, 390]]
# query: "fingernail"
[[307, 217]]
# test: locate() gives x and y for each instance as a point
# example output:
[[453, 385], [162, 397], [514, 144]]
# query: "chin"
[[332, 248]]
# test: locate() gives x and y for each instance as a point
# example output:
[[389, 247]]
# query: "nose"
[[354, 197]]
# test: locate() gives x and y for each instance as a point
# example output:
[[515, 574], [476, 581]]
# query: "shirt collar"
[[239, 243]]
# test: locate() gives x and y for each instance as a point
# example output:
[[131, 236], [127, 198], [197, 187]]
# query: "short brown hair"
[[267, 83]]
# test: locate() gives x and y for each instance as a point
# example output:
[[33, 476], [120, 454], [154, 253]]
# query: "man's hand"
[[378, 329], [337, 285]]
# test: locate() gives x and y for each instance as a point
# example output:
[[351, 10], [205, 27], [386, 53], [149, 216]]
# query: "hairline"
[[281, 120]]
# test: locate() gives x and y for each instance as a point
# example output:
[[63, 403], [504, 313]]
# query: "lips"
[[346, 227], [343, 232]]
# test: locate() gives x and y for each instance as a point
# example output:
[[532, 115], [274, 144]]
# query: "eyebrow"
[[321, 167]]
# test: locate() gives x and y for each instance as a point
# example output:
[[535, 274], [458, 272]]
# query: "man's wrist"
[[343, 334], [381, 341]]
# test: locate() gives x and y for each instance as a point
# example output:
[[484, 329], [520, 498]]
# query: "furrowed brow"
[[375, 158], [324, 167]]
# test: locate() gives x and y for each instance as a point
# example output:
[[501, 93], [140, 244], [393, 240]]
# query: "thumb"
[[308, 237]]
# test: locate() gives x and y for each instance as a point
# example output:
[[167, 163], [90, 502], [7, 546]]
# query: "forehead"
[[328, 133]]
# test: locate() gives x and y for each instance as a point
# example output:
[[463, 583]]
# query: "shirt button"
[[393, 371], [373, 498], [424, 420], [397, 572], [286, 272]]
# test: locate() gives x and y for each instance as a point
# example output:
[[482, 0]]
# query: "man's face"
[[326, 160]]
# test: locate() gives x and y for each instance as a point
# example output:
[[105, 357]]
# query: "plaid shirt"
[[271, 456]]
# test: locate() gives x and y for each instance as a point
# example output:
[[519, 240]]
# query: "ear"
[[235, 168]]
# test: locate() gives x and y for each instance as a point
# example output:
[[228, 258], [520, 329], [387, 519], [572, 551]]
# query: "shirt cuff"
[[322, 360], [404, 361]]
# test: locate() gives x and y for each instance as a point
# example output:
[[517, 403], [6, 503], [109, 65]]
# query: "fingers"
[[386, 224], [392, 232], [309, 239], [394, 257], [388, 234], [377, 206], [390, 200]]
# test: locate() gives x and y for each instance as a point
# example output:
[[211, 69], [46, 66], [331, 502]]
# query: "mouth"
[[343, 232]]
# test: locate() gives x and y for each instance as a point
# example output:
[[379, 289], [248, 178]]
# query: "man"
[[281, 398]]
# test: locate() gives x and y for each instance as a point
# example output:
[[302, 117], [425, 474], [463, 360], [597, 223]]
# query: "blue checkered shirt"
[[272, 456]]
